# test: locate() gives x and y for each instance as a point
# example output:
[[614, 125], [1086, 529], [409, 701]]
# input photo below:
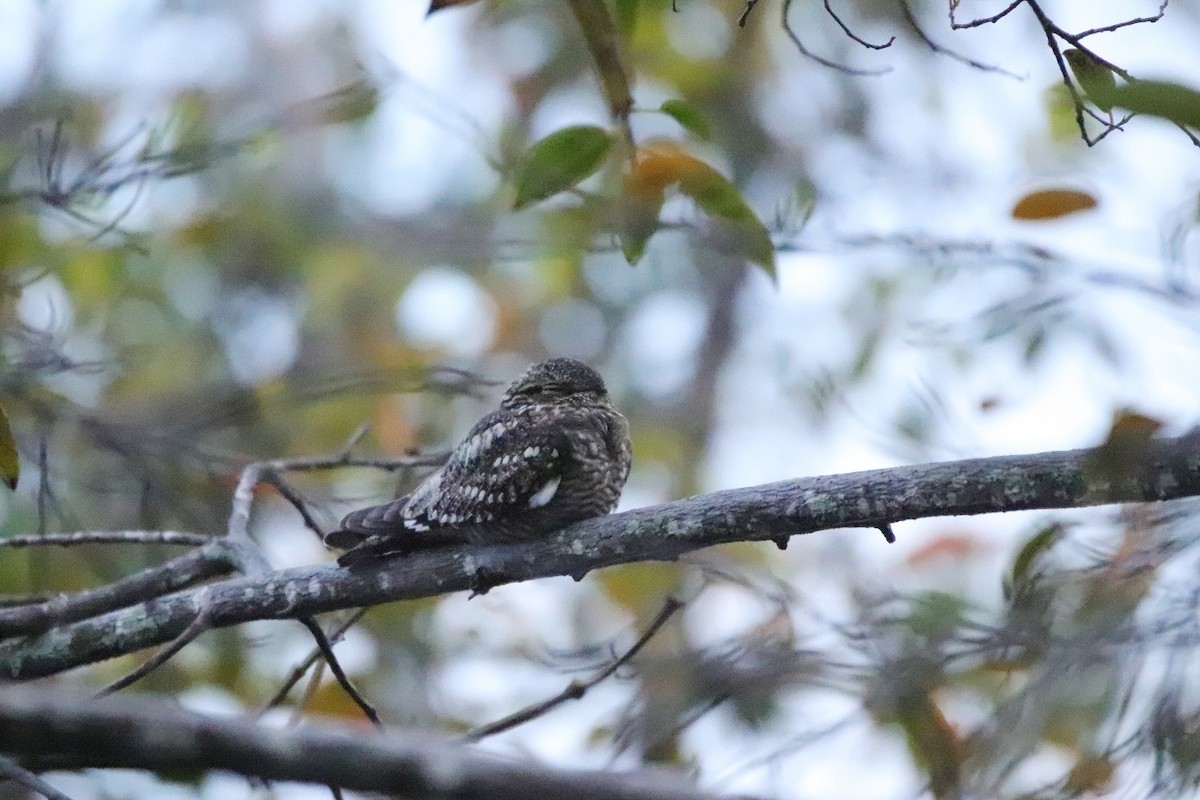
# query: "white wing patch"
[[546, 493]]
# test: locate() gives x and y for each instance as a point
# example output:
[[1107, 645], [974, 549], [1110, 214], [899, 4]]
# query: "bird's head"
[[557, 381]]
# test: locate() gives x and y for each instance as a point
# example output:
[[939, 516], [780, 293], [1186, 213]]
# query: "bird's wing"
[[500, 470]]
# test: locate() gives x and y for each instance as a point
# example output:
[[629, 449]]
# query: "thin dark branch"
[[304, 666], [804, 51], [577, 689], [336, 668], [1162, 10], [16, 773], [199, 625], [296, 500], [975, 23], [846, 30], [127, 732], [665, 532], [107, 537], [43, 495], [911, 19], [745, 16]]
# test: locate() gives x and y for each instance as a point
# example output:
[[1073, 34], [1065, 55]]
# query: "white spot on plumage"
[[414, 525], [532, 452], [546, 493]]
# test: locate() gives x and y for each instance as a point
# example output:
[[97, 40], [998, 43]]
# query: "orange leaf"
[[1052, 204], [952, 547]]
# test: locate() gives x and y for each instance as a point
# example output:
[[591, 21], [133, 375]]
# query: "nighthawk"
[[553, 453]]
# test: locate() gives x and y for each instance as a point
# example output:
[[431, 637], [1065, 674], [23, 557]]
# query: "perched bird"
[[553, 453]]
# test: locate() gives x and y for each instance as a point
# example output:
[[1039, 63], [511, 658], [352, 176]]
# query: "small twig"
[[298, 671], [336, 668], [911, 19], [296, 499], [750, 4], [18, 774], [888, 534], [43, 495], [198, 626], [846, 30], [355, 438], [576, 689], [310, 691], [804, 51], [975, 23], [107, 537], [1162, 10]]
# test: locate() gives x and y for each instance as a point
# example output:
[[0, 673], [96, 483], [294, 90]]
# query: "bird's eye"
[[543, 389]]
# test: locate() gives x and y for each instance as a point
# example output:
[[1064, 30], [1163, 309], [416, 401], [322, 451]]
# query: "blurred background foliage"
[[234, 231]]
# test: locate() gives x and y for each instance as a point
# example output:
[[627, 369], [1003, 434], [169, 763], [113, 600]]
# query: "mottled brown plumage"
[[553, 453]]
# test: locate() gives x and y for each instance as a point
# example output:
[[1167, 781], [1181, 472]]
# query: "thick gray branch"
[[192, 567], [144, 733], [1171, 469]]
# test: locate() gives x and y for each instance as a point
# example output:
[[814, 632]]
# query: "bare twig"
[[804, 51], [107, 537], [911, 19], [956, 25], [304, 666], [846, 30], [336, 668], [1162, 10], [576, 689], [745, 16], [15, 772], [198, 626]]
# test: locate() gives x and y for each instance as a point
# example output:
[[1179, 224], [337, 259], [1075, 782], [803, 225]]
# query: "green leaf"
[[560, 161], [1170, 101], [1032, 550], [627, 12], [1096, 80], [351, 103], [688, 116], [10, 464], [720, 198]]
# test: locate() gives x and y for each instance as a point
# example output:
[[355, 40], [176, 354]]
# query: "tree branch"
[[129, 732], [205, 562], [576, 689], [1170, 469], [15, 772]]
